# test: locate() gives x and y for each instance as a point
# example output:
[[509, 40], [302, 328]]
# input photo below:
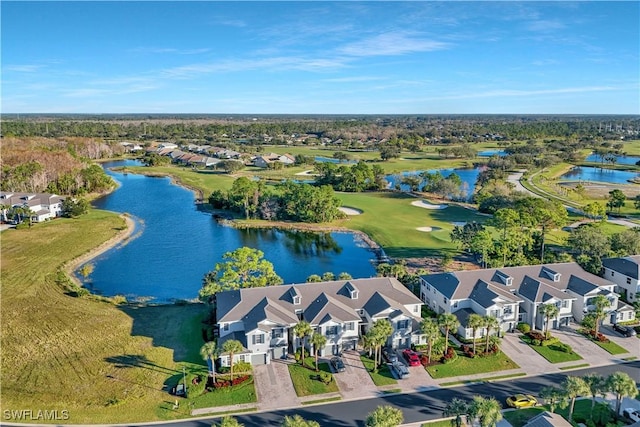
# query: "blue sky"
[[321, 57]]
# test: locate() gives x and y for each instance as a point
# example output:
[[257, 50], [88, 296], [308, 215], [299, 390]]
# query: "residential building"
[[262, 319], [43, 206], [516, 294], [265, 160], [625, 273], [547, 419]]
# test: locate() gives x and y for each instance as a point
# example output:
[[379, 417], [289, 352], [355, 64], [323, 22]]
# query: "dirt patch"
[[434, 265]]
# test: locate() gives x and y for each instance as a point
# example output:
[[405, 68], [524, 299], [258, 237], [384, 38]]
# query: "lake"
[[490, 153], [468, 177], [620, 160], [588, 173], [176, 244]]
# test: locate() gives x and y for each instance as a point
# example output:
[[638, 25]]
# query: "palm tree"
[[384, 330], [549, 311], [600, 302], [298, 421], [574, 387], [384, 416], [554, 396], [302, 330], [210, 352], [596, 384], [318, 341], [447, 321], [232, 347], [229, 422], [486, 410], [475, 322], [622, 385], [456, 408], [490, 323], [430, 328]]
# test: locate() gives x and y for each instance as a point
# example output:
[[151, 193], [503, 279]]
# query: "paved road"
[[419, 406]]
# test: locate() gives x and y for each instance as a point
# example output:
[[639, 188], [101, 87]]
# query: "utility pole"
[[184, 381]]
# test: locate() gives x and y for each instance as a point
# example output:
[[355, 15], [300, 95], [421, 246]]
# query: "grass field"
[[466, 366], [102, 363], [551, 353], [382, 377], [304, 379]]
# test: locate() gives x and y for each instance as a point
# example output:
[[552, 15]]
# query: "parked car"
[[632, 414], [389, 355], [337, 363], [627, 331], [412, 357], [179, 390], [521, 401], [401, 369]]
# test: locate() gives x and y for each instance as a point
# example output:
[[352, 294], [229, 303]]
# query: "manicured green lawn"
[[466, 366], [304, 379], [242, 393], [612, 347], [552, 353], [582, 412], [520, 417], [380, 378]]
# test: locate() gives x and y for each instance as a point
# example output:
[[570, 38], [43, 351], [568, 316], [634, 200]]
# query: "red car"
[[412, 357]]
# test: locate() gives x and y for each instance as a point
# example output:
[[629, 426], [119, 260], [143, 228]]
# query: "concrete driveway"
[[354, 382], [274, 386], [527, 358]]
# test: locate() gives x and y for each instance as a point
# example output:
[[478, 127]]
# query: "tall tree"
[[574, 387], [242, 268], [456, 408], [486, 410], [431, 330], [554, 397], [318, 341], [210, 352], [475, 322], [616, 199], [297, 421], [490, 323], [229, 421], [597, 386], [384, 416], [302, 330], [505, 219], [232, 347], [599, 303], [622, 385], [549, 311], [448, 321], [383, 329]]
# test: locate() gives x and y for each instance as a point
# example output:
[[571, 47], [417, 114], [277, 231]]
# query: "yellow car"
[[521, 401]]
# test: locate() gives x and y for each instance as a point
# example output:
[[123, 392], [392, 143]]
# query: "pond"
[[177, 244], [468, 177], [620, 160], [588, 173], [321, 159], [490, 153]]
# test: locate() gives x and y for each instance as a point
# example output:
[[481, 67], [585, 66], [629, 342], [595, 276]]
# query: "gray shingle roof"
[[317, 300], [580, 286], [547, 419], [629, 266]]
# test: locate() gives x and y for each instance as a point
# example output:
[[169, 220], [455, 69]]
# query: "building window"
[[565, 303], [628, 280], [225, 326], [332, 330], [276, 333], [258, 339], [403, 324], [348, 326], [445, 300], [415, 308], [508, 310], [296, 300], [612, 274], [455, 304]]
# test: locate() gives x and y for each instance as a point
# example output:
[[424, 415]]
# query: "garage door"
[[258, 359]]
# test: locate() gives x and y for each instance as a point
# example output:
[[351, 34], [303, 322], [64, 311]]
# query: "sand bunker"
[[349, 211], [427, 205], [309, 172], [427, 229]]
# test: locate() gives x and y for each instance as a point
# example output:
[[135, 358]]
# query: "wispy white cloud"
[[533, 92], [24, 68], [353, 79], [238, 23], [392, 43], [545, 62], [545, 26]]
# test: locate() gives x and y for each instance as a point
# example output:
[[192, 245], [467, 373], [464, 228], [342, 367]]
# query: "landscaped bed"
[[234, 395], [382, 377], [555, 352], [604, 342], [463, 365], [306, 380]]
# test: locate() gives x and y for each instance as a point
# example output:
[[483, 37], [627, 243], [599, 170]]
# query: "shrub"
[[241, 366], [467, 350], [549, 342], [449, 356], [523, 327], [565, 348], [536, 335], [325, 377], [536, 342]]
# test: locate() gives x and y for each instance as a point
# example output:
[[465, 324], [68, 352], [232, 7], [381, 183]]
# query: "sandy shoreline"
[[122, 235]]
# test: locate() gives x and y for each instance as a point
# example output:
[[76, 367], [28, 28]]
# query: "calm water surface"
[[467, 176], [620, 160], [177, 244], [588, 173]]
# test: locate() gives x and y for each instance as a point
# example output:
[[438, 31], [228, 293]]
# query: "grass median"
[[380, 378], [305, 378]]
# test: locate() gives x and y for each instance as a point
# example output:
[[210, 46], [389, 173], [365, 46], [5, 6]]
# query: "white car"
[[632, 414]]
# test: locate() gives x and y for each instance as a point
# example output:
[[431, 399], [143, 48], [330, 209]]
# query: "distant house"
[[547, 419], [516, 294], [625, 273], [43, 206], [262, 319], [265, 160]]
